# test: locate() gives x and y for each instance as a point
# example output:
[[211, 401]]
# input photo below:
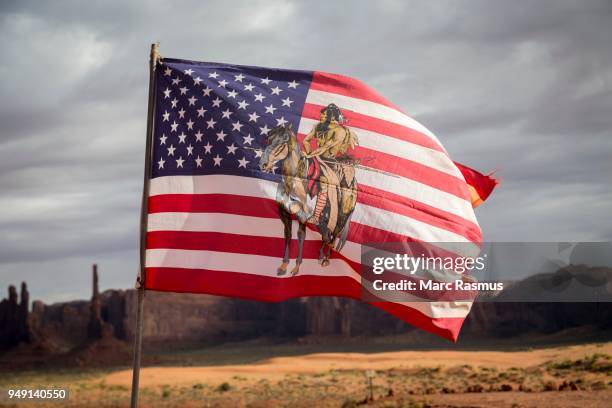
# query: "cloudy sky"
[[522, 89]]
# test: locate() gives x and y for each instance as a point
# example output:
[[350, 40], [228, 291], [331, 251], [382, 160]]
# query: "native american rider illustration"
[[318, 184]]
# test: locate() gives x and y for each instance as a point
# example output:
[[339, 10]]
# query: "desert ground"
[[561, 376]]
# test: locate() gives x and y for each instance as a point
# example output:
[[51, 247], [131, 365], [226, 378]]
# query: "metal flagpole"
[[153, 60]]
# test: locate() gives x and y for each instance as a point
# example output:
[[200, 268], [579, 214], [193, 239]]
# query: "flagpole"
[[153, 60]]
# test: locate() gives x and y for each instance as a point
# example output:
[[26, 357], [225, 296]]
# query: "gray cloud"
[[523, 89]]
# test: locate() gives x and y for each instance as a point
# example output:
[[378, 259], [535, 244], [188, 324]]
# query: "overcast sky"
[[522, 89]]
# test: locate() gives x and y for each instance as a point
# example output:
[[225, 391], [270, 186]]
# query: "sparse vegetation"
[[396, 385]]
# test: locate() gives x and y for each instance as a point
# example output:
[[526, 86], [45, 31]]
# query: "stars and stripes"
[[213, 221]]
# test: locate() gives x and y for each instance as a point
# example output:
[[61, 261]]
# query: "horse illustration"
[[294, 198]]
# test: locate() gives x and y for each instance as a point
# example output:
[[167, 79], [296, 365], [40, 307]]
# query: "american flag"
[[213, 222]]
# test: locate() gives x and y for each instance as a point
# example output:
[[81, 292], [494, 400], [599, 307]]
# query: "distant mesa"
[[100, 331]]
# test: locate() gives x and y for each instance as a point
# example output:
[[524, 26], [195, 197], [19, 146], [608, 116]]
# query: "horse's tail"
[[344, 233]]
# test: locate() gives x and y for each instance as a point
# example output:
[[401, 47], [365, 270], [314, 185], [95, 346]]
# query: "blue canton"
[[214, 118]]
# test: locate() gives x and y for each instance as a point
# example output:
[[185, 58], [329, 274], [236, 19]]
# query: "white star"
[[167, 93], [242, 105], [270, 109], [190, 124], [287, 102], [248, 139], [232, 94], [222, 83], [161, 163], [238, 78], [253, 117], [231, 149], [189, 71], [249, 87], [183, 90], [189, 150], [221, 135], [259, 97], [226, 113], [196, 81], [264, 130], [211, 124], [179, 162], [182, 137], [176, 81], [293, 84], [206, 91], [243, 162], [166, 116], [281, 121], [192, 100], [171, 150], [181, 113], [173, 126], [162, 139], [216, 102], [201, 112], [168, 71], [258, 153], [198, 162], [213, 75], [217, 160], [236, 126], [207, 148], [174, 102], [276, 90], [266, 80], [198, 136]]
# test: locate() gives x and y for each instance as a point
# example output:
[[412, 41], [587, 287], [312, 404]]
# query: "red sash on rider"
[[314, 171]]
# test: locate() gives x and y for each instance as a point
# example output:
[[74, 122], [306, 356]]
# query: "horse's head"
[[277, 148]]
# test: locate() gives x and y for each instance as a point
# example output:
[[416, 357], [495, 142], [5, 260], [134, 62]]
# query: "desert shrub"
[[223, 387]]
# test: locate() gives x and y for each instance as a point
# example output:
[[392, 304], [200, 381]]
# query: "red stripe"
[[267, 208], [264, 288], [370, 123], [214, 203], [410, 170], [239, 244], [366, 235], [343, 85]]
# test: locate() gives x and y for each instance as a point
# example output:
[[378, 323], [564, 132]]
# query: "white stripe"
[[266, 266], [246, 186], [369, 108], [417, 191], [400, 148]]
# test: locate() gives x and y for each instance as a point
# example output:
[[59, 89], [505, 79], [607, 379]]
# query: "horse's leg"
[[286, 219], [326, 249], [324, 253], [301, 234]]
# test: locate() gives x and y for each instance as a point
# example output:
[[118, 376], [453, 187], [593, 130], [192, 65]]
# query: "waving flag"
[[266, 183]]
